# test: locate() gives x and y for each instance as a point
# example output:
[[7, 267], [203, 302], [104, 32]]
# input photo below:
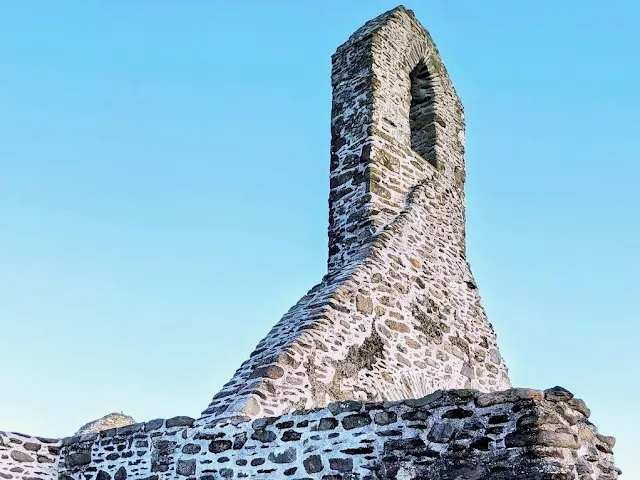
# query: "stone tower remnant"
[[397, 317], [398, 313]]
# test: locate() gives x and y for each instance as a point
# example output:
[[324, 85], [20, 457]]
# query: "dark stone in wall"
[[186, 467], [341, 464], [121, 474], [102, 475], [180, 421], [328, 423], [218, 446], [191, 449], [291, 436], [78, 459], [313, 464], [441, 432], [457, 413], [153, 424], [239, 440], [264, 436], [355, 421], [385, 418], [346, 406]]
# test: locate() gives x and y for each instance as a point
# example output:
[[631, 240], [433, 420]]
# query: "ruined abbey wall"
[[514, 434], [387, 369]]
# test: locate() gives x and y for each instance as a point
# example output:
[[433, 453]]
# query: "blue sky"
[[164, 183]]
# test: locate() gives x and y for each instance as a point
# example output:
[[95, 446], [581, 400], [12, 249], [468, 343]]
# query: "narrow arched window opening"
[[422, 115]]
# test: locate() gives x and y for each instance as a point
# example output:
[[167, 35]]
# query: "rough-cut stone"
[[218, 446], [385, 418], [112, 420], [79, 459], [558, 394], [191, 448], [291, 436], [186, 468], [355, 421], [121, 474], [441, 432], [341, 464], [543, 438], [579, 405], [264, 436], [328, 423], [313, 464], [348, 406], [102, 475], [153, 424], [19, 456], [179, 421], [364, 305]]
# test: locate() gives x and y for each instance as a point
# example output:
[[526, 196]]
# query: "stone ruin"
[[388, 368]]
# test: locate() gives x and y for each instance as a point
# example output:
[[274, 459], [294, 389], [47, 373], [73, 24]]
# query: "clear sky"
[[164, 183]]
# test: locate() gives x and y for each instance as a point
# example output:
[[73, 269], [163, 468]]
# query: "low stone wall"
[[23, 457], [513, 434]]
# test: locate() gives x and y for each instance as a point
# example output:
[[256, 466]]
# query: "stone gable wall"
[[398, 314], [512, 434]]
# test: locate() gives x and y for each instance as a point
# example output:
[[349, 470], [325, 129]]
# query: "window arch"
[[422, 114]]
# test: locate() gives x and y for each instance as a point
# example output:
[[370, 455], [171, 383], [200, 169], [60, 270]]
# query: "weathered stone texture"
[[398, 314], [451, 434]]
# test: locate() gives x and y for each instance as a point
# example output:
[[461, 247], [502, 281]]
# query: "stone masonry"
[[387, 369], [454, 434], [398, 314]]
